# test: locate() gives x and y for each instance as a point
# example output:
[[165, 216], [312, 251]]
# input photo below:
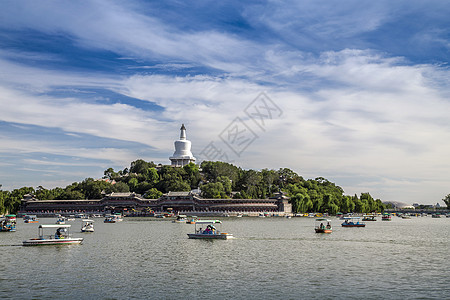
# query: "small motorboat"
[[180, 219], [192, 220], [353, 222], [87, 225], [320, 226], [61, 220], [369, 218], [8, 223], [386, 217], [210, 232], [61, 237], [30, 219], [113, 218]]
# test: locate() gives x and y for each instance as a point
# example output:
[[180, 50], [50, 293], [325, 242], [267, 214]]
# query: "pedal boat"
[[320, 226], [210, 232], [61, 237], [353, 222], [87, 225], [386, 217], [8, 223], [30, 219]]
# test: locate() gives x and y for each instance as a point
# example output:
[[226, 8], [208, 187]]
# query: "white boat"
[[210, 232], [61, 237], [87, 225], [113, 218]]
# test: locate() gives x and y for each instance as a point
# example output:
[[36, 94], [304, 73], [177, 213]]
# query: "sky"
[[353, 91]]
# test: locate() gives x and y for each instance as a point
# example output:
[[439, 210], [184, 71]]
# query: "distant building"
[[182, 155], [181, 202]]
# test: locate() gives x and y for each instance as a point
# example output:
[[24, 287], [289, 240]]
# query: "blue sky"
[[362, 89]]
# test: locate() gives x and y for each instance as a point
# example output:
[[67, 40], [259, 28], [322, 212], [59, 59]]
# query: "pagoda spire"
[[183, 132]]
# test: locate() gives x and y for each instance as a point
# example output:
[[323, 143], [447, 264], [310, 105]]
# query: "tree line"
[[215, 180]]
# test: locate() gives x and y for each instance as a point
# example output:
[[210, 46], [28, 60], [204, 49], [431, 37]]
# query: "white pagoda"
[[182, 155]]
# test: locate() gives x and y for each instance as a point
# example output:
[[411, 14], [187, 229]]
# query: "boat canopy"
[[87, 220], [208, 221], [350, 218], [54, 226], [323, 220]]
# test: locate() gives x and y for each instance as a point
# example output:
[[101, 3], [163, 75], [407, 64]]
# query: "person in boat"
[[328, 225], [322, 226], [58, 233]]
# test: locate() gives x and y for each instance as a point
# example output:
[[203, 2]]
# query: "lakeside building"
[[182, 155], [178, 202]]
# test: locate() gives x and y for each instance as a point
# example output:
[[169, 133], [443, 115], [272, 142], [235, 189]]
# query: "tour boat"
[[30, 219], [320, 226], [369, 218], [180, 219], [8, 223], [353, 222], [386, 217], [61, 237], [87, 225], [210, 232]]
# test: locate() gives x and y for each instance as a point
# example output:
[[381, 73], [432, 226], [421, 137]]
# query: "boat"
[[70, 218], [239, 215], [118, 217], [180, 219], [113, 218], [8, 223], [30, 219], [386, 217], [369, 218], [87, 225], [61, 237], [61, 220], [353, 222], [406, 216], [192, 220], [320, 226], [436, 215], [210, 232]]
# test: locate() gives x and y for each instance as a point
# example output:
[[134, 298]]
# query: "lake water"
[[270, 258]]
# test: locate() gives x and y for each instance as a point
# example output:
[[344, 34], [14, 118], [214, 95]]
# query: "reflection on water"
[[269, 258]]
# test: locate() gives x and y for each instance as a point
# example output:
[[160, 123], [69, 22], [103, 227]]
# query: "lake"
[[270, 258]]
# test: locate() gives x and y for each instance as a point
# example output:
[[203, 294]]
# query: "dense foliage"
[[215, 179]]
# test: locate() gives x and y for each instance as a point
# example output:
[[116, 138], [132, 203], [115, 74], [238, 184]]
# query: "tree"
[[110, 174], [152, 194], [447, 200], [212, 190]]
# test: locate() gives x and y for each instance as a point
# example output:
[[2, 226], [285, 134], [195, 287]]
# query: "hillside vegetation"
[[215, 179]]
